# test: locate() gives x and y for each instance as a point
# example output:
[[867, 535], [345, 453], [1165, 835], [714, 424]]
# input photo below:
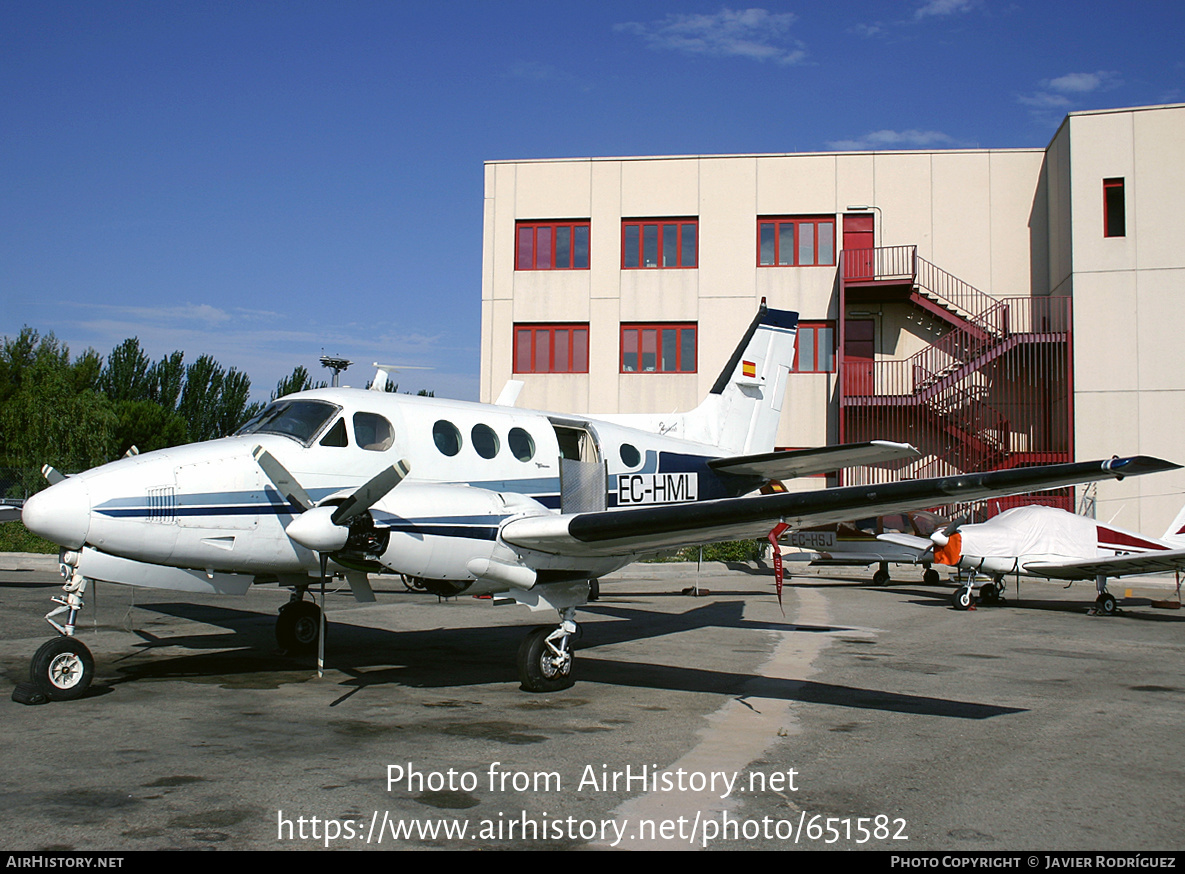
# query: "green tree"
[[214, 402], [298, 380], [126, 376], [49, 411], [166, 379]]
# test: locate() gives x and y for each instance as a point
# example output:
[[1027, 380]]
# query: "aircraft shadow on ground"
[[451, 657]]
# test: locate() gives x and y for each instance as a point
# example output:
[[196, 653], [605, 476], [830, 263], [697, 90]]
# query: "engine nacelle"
[[450, 532]]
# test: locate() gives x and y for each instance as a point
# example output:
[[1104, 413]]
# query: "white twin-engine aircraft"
[[466, 497]]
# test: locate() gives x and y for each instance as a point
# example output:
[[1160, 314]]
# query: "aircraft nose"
[[61, 513]]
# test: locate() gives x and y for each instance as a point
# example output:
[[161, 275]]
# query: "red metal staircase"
[[991, 392]]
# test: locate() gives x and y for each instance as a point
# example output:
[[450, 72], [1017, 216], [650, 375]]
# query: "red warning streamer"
[[778, 531]]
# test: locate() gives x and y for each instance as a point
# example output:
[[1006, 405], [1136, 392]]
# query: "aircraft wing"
[[806, 462], [9, 512], [642, 530], [1111, 566]]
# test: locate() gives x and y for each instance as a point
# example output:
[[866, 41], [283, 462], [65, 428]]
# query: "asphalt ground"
[[862, 718]]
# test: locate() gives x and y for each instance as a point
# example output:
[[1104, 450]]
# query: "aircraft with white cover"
[[465, 497], [1046, 542]]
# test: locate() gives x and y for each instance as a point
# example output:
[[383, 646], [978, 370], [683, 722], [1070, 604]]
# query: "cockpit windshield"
[[300, 420]]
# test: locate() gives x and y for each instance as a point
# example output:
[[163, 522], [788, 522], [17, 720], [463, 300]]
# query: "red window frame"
[[822, 354], [1114, 208], [660, 244], [640, 340], [537, 245], [551, 348], [775, 232]]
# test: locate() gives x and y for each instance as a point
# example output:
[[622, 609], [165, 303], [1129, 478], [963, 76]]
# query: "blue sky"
[[262, 181]]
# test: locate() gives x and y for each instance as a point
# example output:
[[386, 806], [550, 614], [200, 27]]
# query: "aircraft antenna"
[[337, 365]]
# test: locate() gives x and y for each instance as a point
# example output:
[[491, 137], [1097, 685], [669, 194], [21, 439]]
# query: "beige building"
[[994, 307]]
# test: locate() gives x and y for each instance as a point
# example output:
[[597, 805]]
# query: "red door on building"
[[858, 243], [858, 355]]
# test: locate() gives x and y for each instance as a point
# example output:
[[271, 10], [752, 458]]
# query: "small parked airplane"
[[1046, 542], [465, 497], [859, 543]]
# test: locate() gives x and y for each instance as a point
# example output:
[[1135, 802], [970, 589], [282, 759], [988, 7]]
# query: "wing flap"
[[641, 530], [791, 463]]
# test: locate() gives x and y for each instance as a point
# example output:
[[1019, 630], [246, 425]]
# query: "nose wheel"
[[62, 669]]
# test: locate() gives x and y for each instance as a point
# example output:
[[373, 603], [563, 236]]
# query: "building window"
[[807, 241], [551, 245], [658, 348], [659, 243], [1114, 209], [815, 349], [551, 348]]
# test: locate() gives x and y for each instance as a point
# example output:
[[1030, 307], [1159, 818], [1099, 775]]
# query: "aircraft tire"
[[881, 578], [962, 599], [930, 577], [989, 593], [1108, 606], [297, 627], [62, 668], [536, 671]]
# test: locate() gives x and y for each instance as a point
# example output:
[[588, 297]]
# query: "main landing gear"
[[545, 655], [298, 625], [62, 668], [989, 593], [1105, 603]]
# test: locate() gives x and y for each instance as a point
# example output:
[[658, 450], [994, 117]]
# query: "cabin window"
[[447, 437], [336, 436], [522, 445], [485, 441], [300, 420], [630, 456], [373, 432]]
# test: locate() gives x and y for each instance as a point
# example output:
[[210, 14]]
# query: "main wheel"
[[539, 669], [989, 593], [930, 577], [1108, 606], [297, 627], [881, 578], [962, 599], [62, 668]]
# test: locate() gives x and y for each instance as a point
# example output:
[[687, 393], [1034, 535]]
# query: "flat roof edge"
[[864, 152]]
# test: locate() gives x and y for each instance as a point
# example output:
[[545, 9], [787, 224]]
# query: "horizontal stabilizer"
[[792, 463]]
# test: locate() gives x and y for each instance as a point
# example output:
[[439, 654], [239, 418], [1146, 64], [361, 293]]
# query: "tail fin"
[[740, 414], [1176, 533]]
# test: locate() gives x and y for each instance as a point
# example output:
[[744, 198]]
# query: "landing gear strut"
[[545, 655], [62, 668]]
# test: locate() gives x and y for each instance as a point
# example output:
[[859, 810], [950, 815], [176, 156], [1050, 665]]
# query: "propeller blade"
[[284, 482], [370, 493], [942, 537]]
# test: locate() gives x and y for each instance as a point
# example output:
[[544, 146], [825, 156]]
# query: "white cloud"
[[757, 34], [890, 139], [933, 8], [1060, 94]]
